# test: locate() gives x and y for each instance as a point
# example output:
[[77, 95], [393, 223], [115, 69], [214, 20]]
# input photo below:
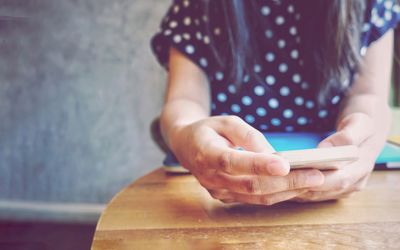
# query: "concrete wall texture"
[[79, 87]]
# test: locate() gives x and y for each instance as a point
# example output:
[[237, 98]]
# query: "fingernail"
[[279, 167], [315, 178]]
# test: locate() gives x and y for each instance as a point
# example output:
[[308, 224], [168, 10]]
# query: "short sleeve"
[[381, 16], [185, 27]]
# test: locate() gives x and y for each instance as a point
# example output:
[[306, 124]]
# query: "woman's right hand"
[[208, 148]]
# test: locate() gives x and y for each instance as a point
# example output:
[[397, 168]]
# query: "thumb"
[[241, 134], [259, 150], [354, 129]]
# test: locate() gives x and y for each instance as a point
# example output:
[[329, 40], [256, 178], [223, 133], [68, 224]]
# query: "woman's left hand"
[[355, 129]]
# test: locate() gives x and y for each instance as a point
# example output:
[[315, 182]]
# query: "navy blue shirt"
[[283, 100]]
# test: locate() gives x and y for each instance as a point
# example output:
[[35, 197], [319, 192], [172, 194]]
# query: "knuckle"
[[225, 162], [203, 182], [346, 138], [218, 194], [235, 118], [199, 160], [314, 196], [256, 167], [213, 194], [250, 186], [343, 184], [267, 200], [227, 120], [227, 201], [296, 180], [310, 196], [250, 136]]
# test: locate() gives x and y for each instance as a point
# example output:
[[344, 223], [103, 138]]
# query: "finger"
[[362, 183], [340, 138], [342, 179], [355, 187], [221, 194], [267, 199], [243, 135], [259, 185], [335, 180], [312, 196], [236, 162], [229, 201], [352, 130]]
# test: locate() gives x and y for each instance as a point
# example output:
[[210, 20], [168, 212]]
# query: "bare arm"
[[370, 92], [367, 101], [187, 98], [206, 145], [364, 122]]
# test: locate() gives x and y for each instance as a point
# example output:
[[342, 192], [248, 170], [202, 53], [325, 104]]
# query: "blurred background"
[[79, 87]]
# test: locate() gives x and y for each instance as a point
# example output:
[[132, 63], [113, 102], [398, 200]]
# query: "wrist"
[[175, 135], [171, 129]]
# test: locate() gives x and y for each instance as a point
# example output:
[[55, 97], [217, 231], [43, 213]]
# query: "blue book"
[[389, 158]]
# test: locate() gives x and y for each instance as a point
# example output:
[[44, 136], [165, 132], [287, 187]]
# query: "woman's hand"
[[365, 124], [355, 129], [208, 148]]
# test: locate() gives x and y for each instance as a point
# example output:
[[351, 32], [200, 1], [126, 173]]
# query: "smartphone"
[[318, 158], [321, 158]]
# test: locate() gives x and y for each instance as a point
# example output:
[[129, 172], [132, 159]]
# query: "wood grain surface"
[[161, 211]]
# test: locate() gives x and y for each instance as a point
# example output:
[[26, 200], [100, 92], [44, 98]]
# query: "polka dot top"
[[281, 98]]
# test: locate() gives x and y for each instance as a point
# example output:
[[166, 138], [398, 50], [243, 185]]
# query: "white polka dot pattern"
[[284, 91], [288, 113], [265, 10], [249, 118], [276, 95], [273, 103], [270, 57], [261, 111], [270, 80], [246, 100], [221, 97], [259, 90], [235, 108]]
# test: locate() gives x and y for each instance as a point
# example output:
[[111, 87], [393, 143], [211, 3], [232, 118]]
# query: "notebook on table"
[[389, 158]]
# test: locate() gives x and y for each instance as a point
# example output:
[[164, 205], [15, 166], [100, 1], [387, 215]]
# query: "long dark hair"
[[332, 36]]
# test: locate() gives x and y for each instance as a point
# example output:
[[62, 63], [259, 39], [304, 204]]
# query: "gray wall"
[[79, 87]]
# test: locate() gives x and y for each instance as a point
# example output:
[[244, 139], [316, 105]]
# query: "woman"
[[239, 68]]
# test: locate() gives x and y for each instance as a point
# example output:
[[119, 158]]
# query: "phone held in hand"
[[300, 149], [321, 158]]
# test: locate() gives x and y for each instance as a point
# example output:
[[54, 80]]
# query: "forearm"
[[369, 104], [187, 99], [369, 94]]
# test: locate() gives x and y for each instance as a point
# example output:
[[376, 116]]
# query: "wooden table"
[[161, 211]]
